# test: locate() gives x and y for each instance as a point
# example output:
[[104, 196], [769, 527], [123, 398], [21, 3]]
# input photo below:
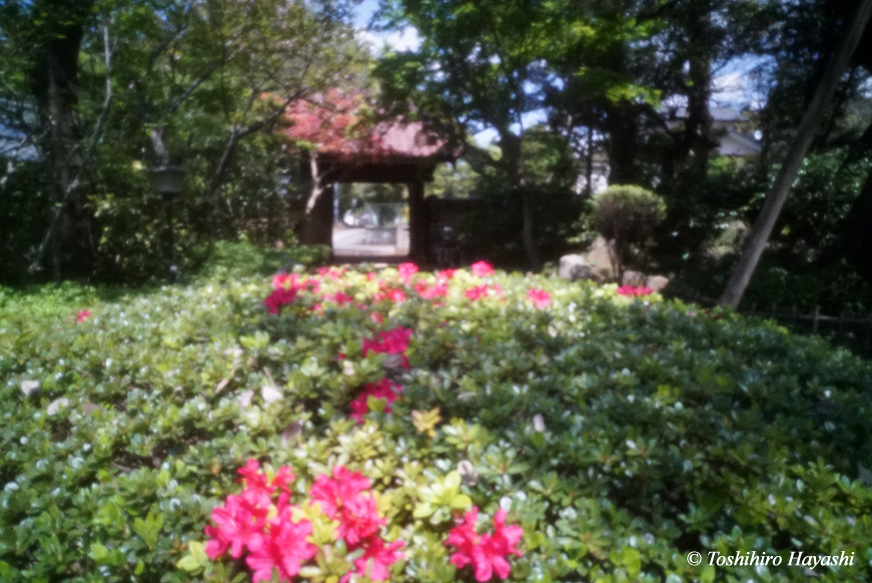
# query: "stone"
[[91, 408], [393, 361], [467, 472], [657, 282], [245, 399], [633, 278], [569, 264], [55, 406], [271, 394], [574, 268], [29, 387], [291, 432]]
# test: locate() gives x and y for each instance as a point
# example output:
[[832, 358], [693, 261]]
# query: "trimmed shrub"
[[627, 215], [619, 432]]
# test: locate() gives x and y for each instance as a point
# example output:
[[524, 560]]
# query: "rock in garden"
[[574, 268], [89, 408], [633, 278], [271, 394], [393, 361], [569, 264], [55, 406], [245, 399], [467, 473], [29, 387], [657, 282]]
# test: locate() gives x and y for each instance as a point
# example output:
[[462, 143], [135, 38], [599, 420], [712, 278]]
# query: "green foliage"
[[698, 218], [188, 85], [492, 230], [627, 215], [825, 189], [662, 430], [231, 261]]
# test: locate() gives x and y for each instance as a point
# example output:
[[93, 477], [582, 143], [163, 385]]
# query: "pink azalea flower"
[[394, 295], [465, 539], [284, 281], [430, 292], [384, 389], [407, 270], [283, 548], [630, 291], [279, 298], [331, 273], [82, 315], [482, 269], [539, 297], [376, 560], [487, 553], [445, 275], [359, 519], [340, 298], [505, 538], [394, 341], [479, 291], [237, 522], [331, 493]]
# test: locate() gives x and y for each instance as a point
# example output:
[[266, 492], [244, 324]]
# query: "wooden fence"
[[848, 330]]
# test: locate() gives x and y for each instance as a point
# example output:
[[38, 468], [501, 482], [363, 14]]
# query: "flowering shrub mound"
[[402, 425], [275, 536]]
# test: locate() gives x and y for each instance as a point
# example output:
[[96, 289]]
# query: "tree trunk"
[[856, 237], [513, 159], [697, 143], [621, 126], [55, 86], [775, 199]]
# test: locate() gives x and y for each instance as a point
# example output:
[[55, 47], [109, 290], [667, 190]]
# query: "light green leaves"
[[195, 560], [439, 500]]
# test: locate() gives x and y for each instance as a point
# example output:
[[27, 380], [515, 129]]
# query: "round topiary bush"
[[459, 426], [626, 215]]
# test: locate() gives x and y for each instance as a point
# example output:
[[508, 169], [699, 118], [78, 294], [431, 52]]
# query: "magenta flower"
[[331, 493], [407, 270], [445, 275], [237, 522], [487, 553], [283, 548], [394, 341], [359, 519], [539, 297], [376, 560], [482, 269], [384, 389], [476, 292], [82, 315], [278, 298], [429, 292], [630, 291]]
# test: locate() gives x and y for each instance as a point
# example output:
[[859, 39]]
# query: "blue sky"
[[365, 11]]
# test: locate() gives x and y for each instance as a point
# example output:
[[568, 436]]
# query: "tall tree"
[[481, 66], [832, 73], [160, 81]]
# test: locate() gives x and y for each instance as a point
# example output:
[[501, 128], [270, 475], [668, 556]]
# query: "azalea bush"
[[396, 424]]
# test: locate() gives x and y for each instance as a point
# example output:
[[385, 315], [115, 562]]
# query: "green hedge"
[[620, 433]]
